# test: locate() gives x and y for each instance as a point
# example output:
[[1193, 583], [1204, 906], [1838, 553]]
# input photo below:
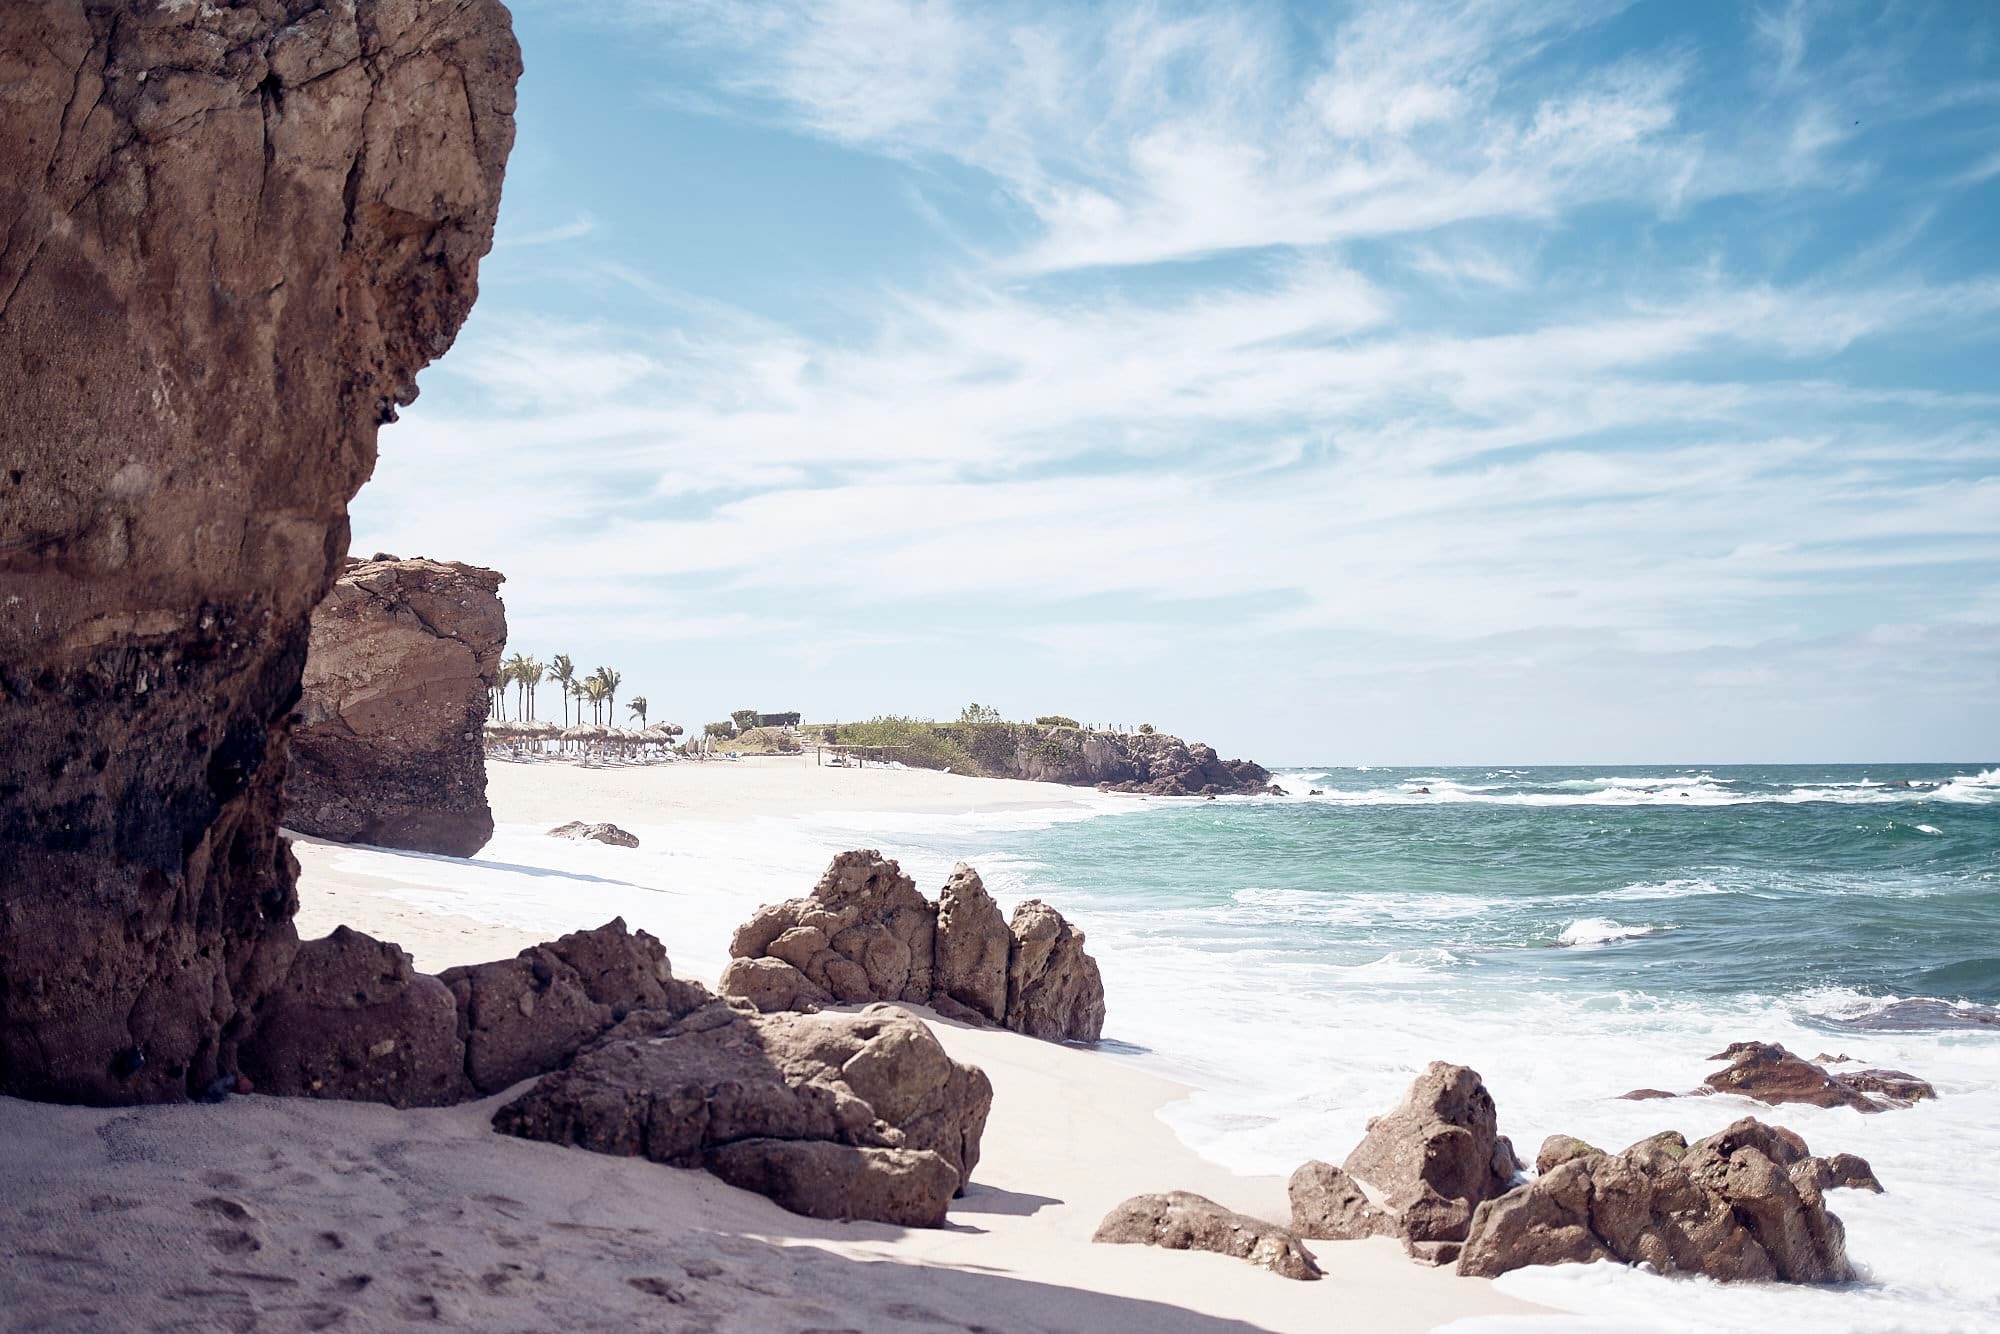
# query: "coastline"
[[1073, 1131]]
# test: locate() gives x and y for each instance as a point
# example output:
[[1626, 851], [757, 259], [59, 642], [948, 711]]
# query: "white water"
[[1289, 1054]]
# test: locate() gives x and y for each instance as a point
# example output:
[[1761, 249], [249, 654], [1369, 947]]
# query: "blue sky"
[[1376, 383]]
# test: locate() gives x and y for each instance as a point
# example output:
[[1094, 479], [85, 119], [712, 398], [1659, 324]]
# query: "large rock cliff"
[[386, 743], [230, 235]]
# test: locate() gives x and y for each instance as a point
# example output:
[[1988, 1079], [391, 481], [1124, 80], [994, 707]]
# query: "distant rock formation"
[[1744, 1205], [1140, 762], [386, 744], [230, 236], [833, 1116], [866, 934], [1180, 1220]]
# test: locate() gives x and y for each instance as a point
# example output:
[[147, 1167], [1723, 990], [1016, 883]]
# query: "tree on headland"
[[563, 672], [637, 704], [979, 713]]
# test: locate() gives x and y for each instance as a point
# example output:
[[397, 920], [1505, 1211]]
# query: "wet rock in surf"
[[1744, 1205], [1183, 1221], [1435, 1158], [1769, 1073]]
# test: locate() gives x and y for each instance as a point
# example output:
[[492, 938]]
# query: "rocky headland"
[[386, 742], [230, 236], [1148, 763]]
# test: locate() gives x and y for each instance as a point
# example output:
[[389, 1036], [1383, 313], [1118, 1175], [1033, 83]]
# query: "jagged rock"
[[1327, 1203], [1725, 1207], [863, 934], [601, 833], [772, 985], [1769, 1073], [230, 236], [866, 934], [973, 946], [1559, 1149], [386, 745], [354, 1019], [1435, 1158], [1183, 1221], [724, 1089], [1054, 990]]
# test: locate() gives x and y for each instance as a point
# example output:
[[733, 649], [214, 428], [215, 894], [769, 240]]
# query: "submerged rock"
[[1183, 1221], [386, 742], [1739, 1206], [835, 1116], [598, 833]]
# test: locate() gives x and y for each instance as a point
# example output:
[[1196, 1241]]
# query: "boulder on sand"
[[1741, 1205], [866, 934], [834, 1116], [1054, 990], [1183, 1221], [1329, 1204], [601, 833], [1435, 1158], [354, 1019]]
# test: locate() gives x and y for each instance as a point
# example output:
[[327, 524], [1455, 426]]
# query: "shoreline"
[[1073, 1131]]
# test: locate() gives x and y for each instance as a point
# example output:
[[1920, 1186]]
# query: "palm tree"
[[611, 680], [579, 691], [563, 671], [637, 704], [532, 673], [597, 693], [499, 691], [515, 670]]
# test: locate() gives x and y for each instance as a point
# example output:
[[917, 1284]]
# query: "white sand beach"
[[273, 1214]]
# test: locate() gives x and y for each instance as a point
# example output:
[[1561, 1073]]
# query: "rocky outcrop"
[[1742, 1205], [1150, 763], [865, 933], [1435, 1158], [353, 1019], [1183, 1221], [597, 833], [1771, 1074], [386, 745], [834, 1116], [1329, 1204], [230, 236]]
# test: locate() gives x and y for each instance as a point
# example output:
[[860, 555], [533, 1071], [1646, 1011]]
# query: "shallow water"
[[1572, 934]]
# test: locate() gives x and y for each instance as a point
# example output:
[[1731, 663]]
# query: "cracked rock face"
[[386, 746], [230, 235]]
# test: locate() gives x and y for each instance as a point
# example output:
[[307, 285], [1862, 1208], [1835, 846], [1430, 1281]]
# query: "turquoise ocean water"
[[1572, 933]]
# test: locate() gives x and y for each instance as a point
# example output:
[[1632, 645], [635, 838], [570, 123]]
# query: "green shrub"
[[726, 730], [1145, 729], [917, 742], [1056, 720]]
